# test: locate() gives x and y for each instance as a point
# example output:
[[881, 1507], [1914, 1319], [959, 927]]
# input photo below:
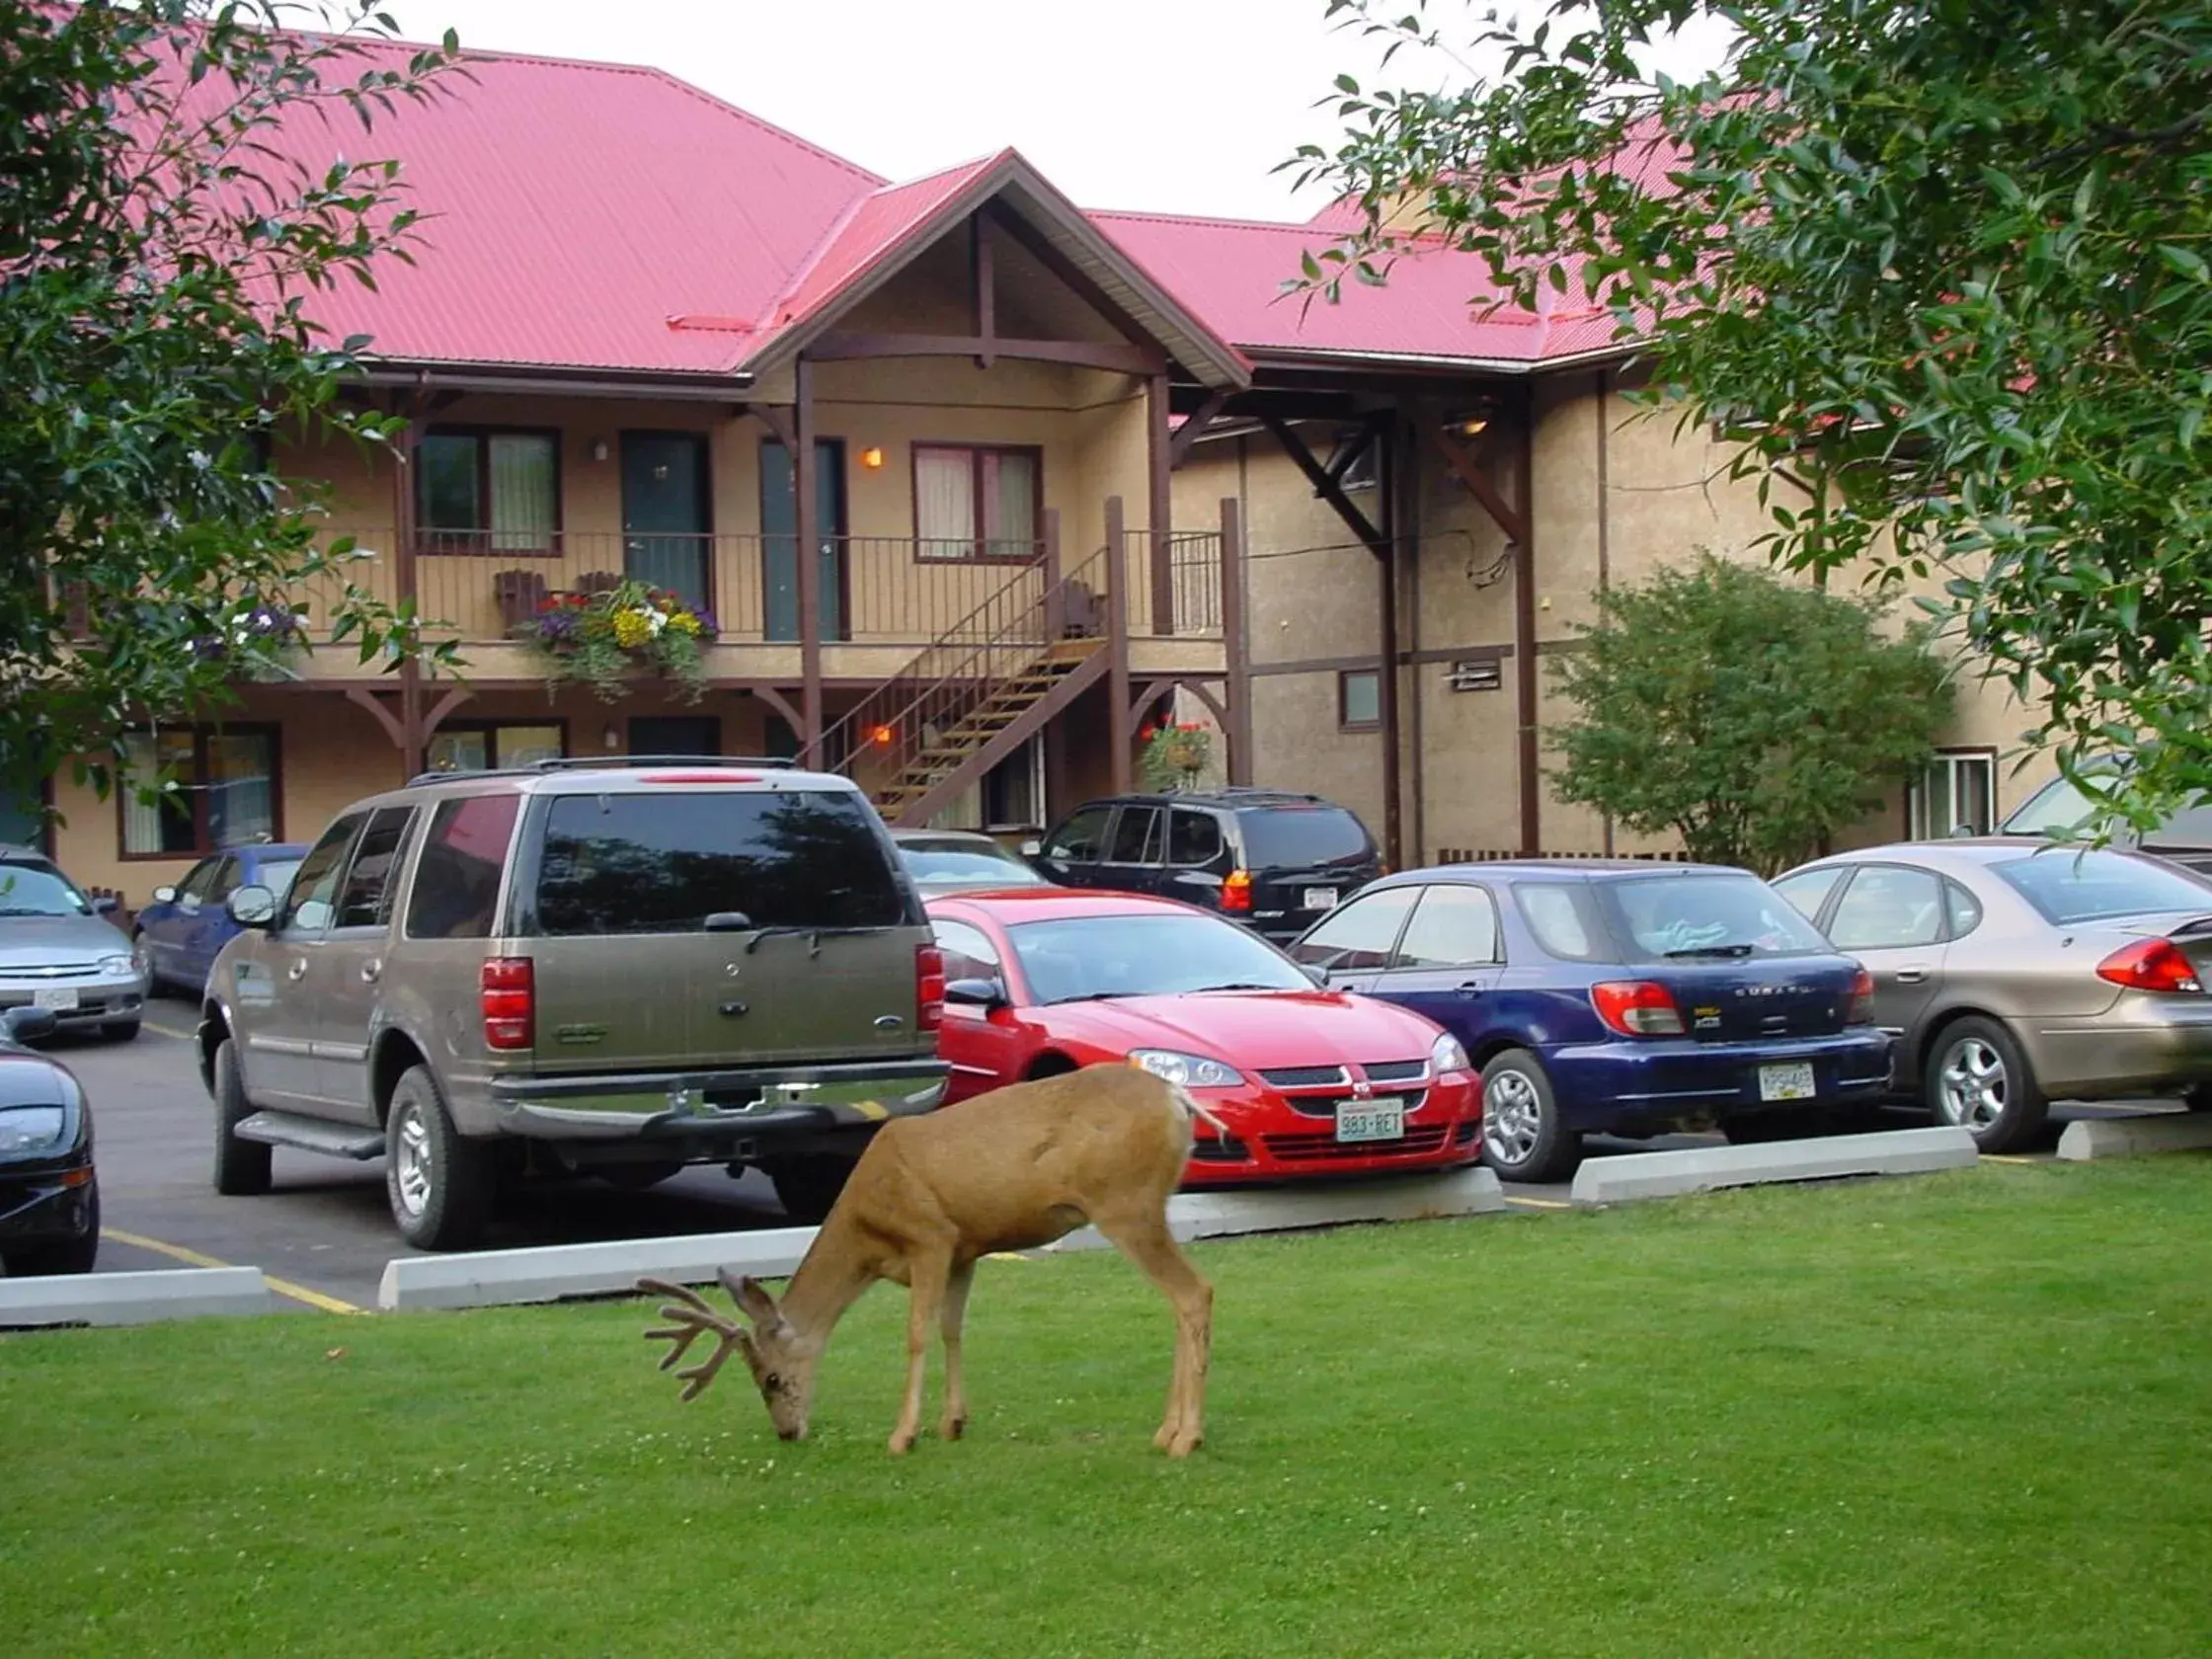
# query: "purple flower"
[[556, 627]]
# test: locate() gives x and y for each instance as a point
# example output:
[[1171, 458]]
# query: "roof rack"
[[581, 763]]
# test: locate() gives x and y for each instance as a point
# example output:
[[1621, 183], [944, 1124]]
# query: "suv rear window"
[[1664, 916], [635, 863], [1290, 837]]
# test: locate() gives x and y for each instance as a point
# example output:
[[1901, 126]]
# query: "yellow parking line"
[[1543, 1203], [168, 1030], [2003, 1158], [192, 1258]]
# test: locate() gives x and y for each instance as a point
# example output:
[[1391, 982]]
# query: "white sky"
[[1179, 105]]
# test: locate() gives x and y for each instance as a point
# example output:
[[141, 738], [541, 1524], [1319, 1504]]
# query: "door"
[[1448, 957], [664, 513], [1134, 851], [352, 963], [1355, 944], [676, 734], [779, 536], [1891, 917], [1071, 854], [282, 978], [167, 930], [207, 927], [1198, 858], [985, 1048]]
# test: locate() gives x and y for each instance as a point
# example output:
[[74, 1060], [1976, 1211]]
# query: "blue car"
[[1616, 998], [176, 937]]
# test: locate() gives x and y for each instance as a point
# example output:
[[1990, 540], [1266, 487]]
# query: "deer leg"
[[927, 1276], [954, 1420], [1147, 1241]]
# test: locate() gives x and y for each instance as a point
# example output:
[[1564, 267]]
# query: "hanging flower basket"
[[1173, 755], [605, 640]]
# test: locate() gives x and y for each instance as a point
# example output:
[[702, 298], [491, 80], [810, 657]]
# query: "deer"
[[933, 1195]]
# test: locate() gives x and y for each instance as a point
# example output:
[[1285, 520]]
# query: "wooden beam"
[[1236, 646], [1525, 624], [777, 419], [1159, 505], [987, 289], [1464, 466], [454, 697], [1153, 691], [1117, 646], [1040, 248], [809, 539], [1394, 747], [360, 697], [1326, 487], [776, 700], [1193, 428], [1081, 354]]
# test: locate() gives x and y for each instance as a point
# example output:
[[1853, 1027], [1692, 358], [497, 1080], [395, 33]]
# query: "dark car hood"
[[31, 1080], [1254, 1028]]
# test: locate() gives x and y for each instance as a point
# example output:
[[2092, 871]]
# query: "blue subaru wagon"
[[1619, 998]]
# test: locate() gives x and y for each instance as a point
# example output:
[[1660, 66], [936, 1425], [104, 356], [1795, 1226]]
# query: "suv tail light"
[[929, 987], [1862, 1010], [2153, 965], [1637, 1008], [1237, 890], [510, 997]]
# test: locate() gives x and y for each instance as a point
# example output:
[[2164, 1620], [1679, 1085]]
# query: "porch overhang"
[[580, 381]]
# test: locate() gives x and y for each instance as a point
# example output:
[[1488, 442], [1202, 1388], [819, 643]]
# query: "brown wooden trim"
[[1159, 505], [428, 540], [1426, 656], [1387, 579], [1070, 275], [453, 698], [360, 697], [779, 704], [1525, 625], [1467, 467], [1154, 691], [840, 346], [202, 846], [1344, 720], [1236, 642], [987, 289], [1214, 704], [976, 454], [1326, 487], [1194, 426], [807, 534], [1116, 649], [776, 418]]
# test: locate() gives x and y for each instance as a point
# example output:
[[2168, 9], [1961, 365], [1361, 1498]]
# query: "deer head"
[[782, 1366]]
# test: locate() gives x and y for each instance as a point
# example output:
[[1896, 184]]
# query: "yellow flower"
[[631, 629], [683, 622]]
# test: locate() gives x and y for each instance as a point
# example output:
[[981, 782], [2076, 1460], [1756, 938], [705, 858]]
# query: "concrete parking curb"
[[133, 1299], [489, 1277], [1897, 1152], [1396, 1198], [2095, 1138]]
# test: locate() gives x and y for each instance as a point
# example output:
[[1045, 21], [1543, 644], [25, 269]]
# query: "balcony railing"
[[1179, 598]]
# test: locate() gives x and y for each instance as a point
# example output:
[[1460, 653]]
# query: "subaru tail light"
[[510, 997], [1237, 890], [1637, 1008], [929, 987], [2153, 965], [1861, 1000]]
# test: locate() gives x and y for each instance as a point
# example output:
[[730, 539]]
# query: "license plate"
[[54, 996], [1320, 899], [1786, 1082], [1371, 1121]]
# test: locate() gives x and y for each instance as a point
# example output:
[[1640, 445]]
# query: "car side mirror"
[[1032, 848], [165, 896], [976, 994], [104, 905], [29, 1025], [252, 905]]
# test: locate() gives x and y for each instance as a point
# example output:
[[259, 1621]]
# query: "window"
[[366, 900], [973, 503], [664, 863], [1136, 837], [969, 953], [1808, 889], [224, 790], [34, 887], [1453, 926], [1362, 467], [457, 877], [228, 874], [1564, 920], [1690, 916], [1294, 838], [1147, 955], [307, 906], [1082, 838], [1192, 839], [488, 492], [1963, 909], [1888, 907], [1358, 699], [196, 884], [1359, 937], [1956, 794], [1014, 789], [2070, 886], [465, 746]]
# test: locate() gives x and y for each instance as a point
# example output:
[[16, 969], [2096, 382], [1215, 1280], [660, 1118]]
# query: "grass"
[[1960, 1414]]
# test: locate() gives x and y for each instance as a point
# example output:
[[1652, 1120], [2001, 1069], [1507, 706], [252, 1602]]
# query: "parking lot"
[[324, 1234]]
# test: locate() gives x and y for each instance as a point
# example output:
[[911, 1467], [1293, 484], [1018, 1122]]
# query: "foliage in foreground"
[[1948, 263], [1958, 1414], [1753, 717], [156, 319]]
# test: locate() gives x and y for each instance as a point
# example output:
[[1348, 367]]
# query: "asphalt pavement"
[[324, 1233]]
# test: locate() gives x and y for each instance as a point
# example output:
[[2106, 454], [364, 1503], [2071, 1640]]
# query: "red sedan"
[[1309, 1081]]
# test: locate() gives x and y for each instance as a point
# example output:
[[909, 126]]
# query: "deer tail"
[[1192, 1109]]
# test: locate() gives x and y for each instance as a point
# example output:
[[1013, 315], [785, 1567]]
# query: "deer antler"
[[686, 1326]]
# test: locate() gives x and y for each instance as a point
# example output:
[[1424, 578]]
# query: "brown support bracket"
[[1326, 487], [360, 697], [1193, 428], [782, 705], [777, 419], [1144, 699], [454, 697], [1464, 466], [1214, 704]]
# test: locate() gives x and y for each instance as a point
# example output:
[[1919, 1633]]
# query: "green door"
[[664, 522], [779, 536]]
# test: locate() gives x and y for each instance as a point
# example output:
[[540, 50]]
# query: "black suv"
[[1268, 858]]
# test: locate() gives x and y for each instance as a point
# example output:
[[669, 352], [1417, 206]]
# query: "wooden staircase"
[[1000, 708]]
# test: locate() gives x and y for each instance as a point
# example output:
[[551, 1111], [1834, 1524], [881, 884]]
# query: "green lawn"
[[1961, 1414]]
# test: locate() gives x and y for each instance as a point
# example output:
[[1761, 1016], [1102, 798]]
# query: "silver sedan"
[[2014, 972]]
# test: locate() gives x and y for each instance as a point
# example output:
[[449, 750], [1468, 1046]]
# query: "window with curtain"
[[223, 791], [478, 748], [494, 491], [1956, 792], [975, 502]]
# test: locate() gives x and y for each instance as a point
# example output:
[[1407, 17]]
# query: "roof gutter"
[[597, 382], [1349, 361]]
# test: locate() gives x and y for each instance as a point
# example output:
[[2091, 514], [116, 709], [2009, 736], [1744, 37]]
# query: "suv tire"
[[439, 1181], [241, 1165], [808, 1187]]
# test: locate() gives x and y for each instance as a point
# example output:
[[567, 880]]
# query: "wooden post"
[[1158, 503], [407, 584], [1047, 571], [1386, 683], [809, 536], [1524, 626], [1237, 646], [1117, 644]]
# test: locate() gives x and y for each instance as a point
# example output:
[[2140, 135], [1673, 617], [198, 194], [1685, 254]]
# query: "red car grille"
[[1325, 1105], [1325, 1149]]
